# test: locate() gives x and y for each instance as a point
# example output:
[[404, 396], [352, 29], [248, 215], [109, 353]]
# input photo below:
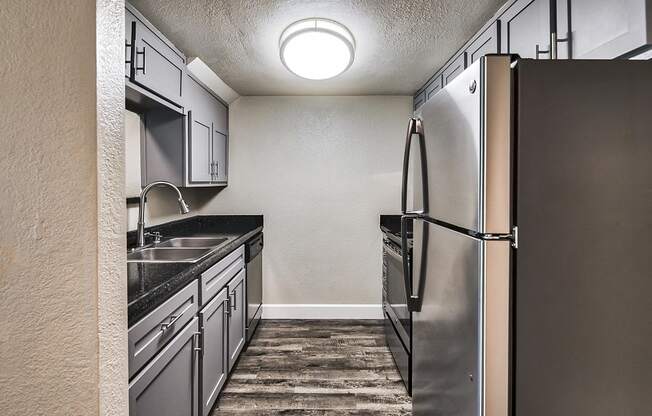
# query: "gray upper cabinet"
[[419, 99], [435, 85], [607, 29], [130, 21], [454, 68], [199, 148], [487, 42], [220, 151], [525, 29], [214, 355], [169, 384], [207, 149], [237, 317], [157, 66]]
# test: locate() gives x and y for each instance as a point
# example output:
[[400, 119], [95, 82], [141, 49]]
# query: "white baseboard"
[[322, 311]]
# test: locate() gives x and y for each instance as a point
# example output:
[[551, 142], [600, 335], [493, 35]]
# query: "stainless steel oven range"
[[398, 319]]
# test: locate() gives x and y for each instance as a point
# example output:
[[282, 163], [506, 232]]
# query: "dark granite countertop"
[[151, 284]]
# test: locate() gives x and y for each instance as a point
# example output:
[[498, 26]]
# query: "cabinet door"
[[157, 66], [525, 29], [454, 68], [607, 29], [214, 355], [219, 157], [237, 317], [199, 149], [485, 43], [168, 385], [419, 99], [434, 86], [130, 20]]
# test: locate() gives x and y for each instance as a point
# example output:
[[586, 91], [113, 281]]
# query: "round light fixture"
[[317, 48]]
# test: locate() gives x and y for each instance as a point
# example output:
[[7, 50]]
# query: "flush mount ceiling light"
[[317, 48]]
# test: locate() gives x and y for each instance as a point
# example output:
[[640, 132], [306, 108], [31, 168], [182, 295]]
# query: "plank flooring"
[[315, 368]]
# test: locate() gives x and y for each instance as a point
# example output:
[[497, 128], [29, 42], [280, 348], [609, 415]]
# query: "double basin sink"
[[178, 250]]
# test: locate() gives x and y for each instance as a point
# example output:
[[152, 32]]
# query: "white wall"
[[62, 246], [321, 170]]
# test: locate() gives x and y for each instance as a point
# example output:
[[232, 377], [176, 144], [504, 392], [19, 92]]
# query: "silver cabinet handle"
[[235, 300], [173, 320]]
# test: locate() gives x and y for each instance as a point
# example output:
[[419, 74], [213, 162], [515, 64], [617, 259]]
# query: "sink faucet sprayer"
[[183, 207]]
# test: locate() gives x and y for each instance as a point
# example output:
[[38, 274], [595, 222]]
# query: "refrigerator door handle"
[[413, 301], [415, 126]]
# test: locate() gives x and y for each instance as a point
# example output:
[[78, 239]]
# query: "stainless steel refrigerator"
[[532, 262]]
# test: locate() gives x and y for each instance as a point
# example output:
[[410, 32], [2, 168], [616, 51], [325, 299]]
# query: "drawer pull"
[[235, 300], [173, 320]]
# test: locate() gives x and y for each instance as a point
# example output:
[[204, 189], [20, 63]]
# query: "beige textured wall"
[[112, 250], [53, 349], [321, 170]]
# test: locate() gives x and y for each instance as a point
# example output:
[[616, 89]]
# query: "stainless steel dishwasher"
[[254, 260]]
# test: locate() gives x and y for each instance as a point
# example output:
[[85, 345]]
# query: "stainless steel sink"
[[193, 242], [178, 250], [168, 255]]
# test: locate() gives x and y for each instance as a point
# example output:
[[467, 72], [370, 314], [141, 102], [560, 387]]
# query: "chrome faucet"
[[183, 207]]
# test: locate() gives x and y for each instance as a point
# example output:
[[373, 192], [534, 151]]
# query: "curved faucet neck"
[[141, 206]]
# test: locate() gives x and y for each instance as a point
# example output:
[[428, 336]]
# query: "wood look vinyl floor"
[[315, 367]]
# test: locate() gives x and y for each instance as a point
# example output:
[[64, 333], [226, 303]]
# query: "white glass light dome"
[[317, 48]]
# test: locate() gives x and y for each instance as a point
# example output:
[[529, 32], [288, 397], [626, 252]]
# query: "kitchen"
[[309, 207]]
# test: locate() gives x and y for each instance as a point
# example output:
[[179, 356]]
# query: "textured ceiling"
[[399, 44]]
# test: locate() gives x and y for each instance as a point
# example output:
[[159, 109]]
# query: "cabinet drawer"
[[215, 278], [151, 333]]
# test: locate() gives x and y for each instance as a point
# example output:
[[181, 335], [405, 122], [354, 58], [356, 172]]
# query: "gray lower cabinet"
[[237, 316], [180, 354], [169, 384], [147, 336], [607, 29], [214, 354]]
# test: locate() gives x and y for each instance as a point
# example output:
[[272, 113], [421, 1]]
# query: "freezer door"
[[461, 333], [466, 135]]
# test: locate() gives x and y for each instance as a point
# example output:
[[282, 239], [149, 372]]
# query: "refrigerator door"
[[466, 137], [461, 333], [583, 336]]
